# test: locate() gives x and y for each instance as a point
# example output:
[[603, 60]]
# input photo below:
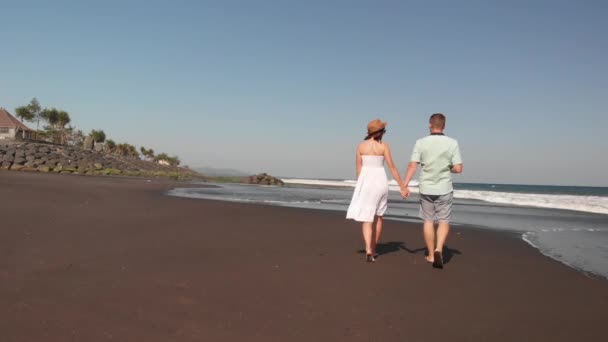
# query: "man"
[[438, 156]]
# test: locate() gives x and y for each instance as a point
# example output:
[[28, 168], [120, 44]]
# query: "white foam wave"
[[337, 183], [591, 204]]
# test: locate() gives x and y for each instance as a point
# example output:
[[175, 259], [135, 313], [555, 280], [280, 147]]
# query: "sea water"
[[569, 224]]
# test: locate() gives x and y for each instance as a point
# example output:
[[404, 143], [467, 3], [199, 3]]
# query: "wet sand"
[[109, 259]]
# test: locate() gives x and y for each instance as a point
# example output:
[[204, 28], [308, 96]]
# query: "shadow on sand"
[[396, 246]]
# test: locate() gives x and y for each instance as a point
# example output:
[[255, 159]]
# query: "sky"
[[287, 87]]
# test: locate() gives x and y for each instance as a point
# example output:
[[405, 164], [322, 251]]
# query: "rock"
[[16, 167], [6, 165], [44, 168], [20, 153], [98, 166], [30, 157], [88, 143], [264, 179], [19, 160], [8, 158]]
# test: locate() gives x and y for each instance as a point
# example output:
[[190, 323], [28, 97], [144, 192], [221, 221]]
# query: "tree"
[[24, 113], [110, 146], [36, 110], [63, 118], [173, 161], [75, 137], [147, 153], [133, 151], [30, 112], [98, 136], [52, 117]]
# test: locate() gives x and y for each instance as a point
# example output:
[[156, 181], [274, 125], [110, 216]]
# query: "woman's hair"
[[376, 135]]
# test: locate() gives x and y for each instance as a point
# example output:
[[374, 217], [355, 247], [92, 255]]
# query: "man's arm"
[[456, 168]]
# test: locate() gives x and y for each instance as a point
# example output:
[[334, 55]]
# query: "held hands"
[[405, 192]]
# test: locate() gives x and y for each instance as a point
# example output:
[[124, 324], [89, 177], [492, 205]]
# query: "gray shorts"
[[436, 207]]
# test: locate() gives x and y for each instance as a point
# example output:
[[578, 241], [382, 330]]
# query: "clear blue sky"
[[288, 87]]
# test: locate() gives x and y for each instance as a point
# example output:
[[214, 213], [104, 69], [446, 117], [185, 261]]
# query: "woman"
[[370, 198]]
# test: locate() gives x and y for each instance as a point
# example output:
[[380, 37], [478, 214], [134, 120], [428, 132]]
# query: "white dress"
[[371, 193]]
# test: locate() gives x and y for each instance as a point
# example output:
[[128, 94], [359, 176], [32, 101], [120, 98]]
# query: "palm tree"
[[36, 110], [30, 112], [122, 149], [110, 146], [147, 153], [98, 136], [173, 161], [63, 118], [24, 114], [52, 117], [74, 137]]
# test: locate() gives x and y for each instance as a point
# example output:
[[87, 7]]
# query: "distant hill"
[[219, 172]]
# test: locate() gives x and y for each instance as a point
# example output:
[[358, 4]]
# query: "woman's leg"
[[368, 236], [377, 232]]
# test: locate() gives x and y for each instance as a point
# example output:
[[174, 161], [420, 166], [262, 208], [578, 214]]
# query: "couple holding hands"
[[438, 156]]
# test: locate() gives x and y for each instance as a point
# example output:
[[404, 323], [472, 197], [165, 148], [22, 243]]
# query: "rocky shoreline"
[[263, 179], [52, 158], [47, 158]]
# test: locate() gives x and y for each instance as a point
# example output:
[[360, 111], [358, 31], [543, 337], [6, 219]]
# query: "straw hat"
[[375, 126]]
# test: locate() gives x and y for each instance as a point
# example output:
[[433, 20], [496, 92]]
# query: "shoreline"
[[412, 219], [96, 259]]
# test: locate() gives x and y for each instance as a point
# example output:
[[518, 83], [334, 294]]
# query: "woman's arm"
[[358, 162], [411, 171], [391, 165]]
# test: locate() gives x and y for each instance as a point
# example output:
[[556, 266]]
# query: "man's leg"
[[429, 238], [442, 234], [427, 214], [444, 213]]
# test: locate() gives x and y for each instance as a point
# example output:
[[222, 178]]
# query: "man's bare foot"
[[429, 259], [437, 259]]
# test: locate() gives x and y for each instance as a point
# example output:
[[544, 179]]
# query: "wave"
[[591, 204], [348, 183]]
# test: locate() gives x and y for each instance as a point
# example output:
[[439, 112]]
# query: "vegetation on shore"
[[59, 131], [62, 148]]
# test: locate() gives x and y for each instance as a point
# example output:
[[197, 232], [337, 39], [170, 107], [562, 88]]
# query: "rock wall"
[[38, 157]]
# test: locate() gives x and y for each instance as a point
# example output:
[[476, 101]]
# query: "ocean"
[[567, 223]]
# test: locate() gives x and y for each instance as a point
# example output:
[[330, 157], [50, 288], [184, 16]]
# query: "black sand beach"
[[108, 259]]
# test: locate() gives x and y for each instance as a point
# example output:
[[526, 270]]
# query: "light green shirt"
[[436, 154]]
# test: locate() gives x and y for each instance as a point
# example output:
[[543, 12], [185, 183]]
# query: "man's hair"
[[437, 121]]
